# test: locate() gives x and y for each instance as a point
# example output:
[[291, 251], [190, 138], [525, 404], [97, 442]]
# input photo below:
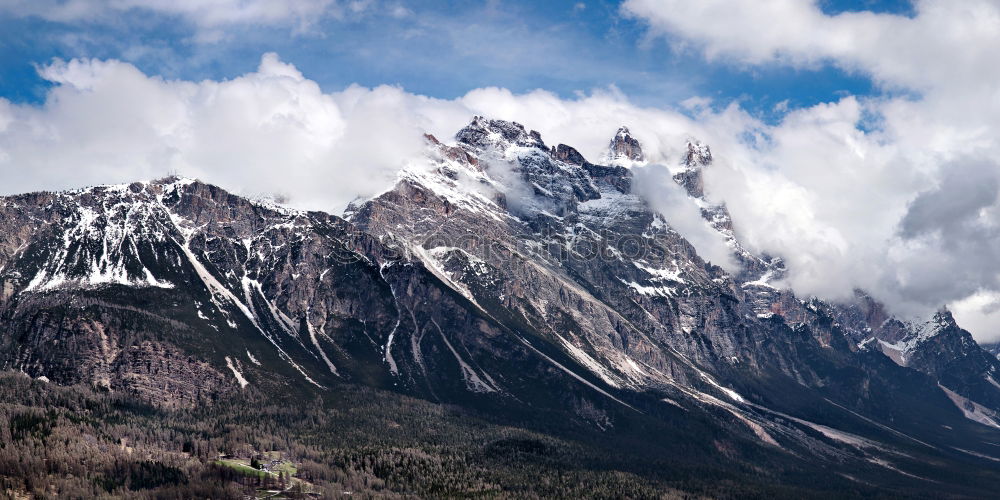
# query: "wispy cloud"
[[435, 47], [207, 14]]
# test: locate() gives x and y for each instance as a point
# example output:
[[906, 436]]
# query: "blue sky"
[[438, 48]]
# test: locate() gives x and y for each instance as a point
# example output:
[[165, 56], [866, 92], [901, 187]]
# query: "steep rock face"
[[180, 292], [698, 156], [937, 347], [71, 339], [950, 354], [584, 262]]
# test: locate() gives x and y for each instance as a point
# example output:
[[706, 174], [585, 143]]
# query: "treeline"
[[78, 442]]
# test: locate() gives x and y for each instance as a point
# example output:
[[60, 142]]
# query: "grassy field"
[[288, 468], [242, 466]]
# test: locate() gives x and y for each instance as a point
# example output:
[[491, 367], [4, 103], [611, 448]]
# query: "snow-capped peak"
[[919, 331], [485, 133]]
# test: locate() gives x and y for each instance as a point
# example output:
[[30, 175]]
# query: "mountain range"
[[523, 285]]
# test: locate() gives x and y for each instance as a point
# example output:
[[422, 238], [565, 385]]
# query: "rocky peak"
[[698, 155], [943, 318], [567, 154], [483, 133], [625, 147], [922, 330]]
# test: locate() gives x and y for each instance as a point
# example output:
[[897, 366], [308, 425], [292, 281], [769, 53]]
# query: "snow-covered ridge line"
[[101, 238]]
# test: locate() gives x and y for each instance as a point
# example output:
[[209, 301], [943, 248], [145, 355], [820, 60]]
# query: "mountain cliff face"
[[593, 270], [500, 274]]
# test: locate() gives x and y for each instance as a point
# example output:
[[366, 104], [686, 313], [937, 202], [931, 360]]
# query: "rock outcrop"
[[624, 147]]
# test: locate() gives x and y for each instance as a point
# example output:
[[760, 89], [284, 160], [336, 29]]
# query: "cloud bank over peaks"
[[895, 193], [105, 121], [847, 204]]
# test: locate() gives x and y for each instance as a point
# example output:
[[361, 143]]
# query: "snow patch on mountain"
[[472, 379], [319, 349], [236, 373], [590, 363], [253, 359]]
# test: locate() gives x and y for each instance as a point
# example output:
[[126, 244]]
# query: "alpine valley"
[[509, 320]]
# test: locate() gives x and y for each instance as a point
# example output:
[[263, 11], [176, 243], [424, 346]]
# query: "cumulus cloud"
[[106, 121], [270, 130], [944, 44]]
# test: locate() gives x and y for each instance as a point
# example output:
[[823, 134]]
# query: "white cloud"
[[654, 183], [399, 11], [947, 43], [979, 313], [897, 195], [106, 121], [269, 130]]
